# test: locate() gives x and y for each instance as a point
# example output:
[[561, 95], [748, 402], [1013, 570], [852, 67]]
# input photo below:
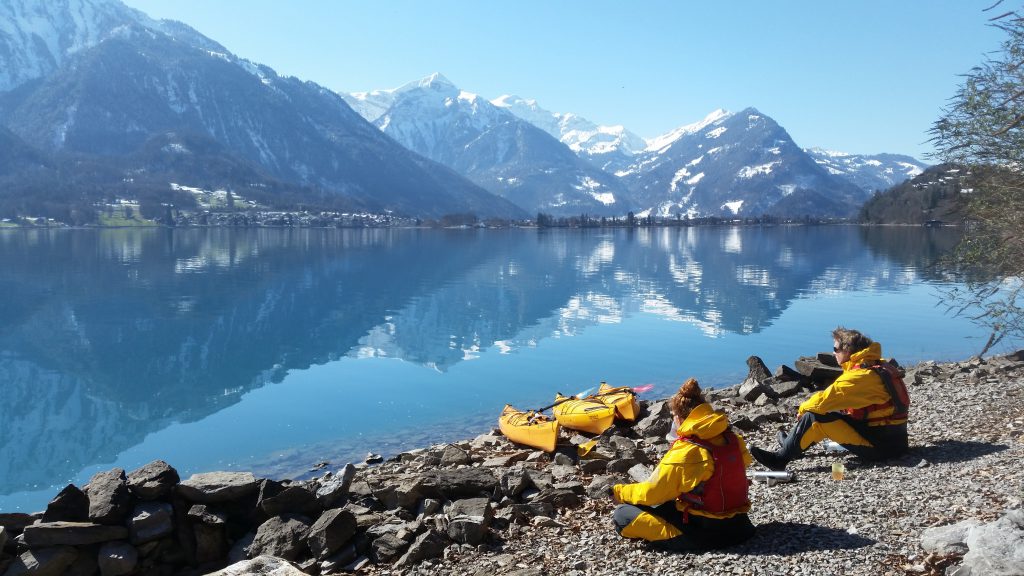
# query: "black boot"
[[770, 460]]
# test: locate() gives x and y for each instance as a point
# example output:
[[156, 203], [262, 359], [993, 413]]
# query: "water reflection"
[[112, 335]]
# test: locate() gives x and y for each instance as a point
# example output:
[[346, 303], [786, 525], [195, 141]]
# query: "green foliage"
[[983, 129], [935, 194]]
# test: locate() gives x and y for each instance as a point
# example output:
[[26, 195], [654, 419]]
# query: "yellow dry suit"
[[667, 506]]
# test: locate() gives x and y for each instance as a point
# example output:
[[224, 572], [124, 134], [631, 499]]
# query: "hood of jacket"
[[871, 354], [703, 422]]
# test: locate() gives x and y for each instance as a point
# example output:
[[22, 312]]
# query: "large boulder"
[[151, 521], [469, 520], [153, 481], [69, 505], [213, 487], [996, 548], [281, 536], [117, 559], [430, 544], [260, 566], [331, 532], [43, 562], [334, 489], [71, 534], [110, 501]]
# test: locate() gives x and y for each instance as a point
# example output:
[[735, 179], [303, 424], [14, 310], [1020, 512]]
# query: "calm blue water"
[[272, 350]]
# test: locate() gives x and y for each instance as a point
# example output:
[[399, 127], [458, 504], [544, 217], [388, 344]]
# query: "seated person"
[[697, 496], [857, 411]]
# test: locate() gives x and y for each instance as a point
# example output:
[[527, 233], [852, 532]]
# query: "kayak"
[[587, 415], [622, 399], [529, 428]]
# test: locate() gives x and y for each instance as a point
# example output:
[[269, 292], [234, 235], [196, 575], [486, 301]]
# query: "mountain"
[[735, 164], [119, 81], [492, 147], [935, 194], [869, 172], [610, 148]]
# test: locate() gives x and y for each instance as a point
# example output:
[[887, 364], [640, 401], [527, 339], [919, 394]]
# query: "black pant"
[[699, 532], [886, 441]]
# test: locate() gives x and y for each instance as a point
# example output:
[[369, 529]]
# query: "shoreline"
[[548, 515]]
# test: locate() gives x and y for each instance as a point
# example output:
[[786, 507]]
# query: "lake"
[[274, 349]]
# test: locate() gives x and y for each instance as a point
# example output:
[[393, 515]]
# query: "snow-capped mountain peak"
[[869, 171], [659, 143]]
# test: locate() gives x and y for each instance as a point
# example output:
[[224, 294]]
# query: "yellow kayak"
[[587, 415], [622, 398], [529, 428]]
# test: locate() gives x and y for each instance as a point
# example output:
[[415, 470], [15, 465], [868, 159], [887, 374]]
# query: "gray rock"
[[559, 498], [461, 483], [43, 562], [281, 536], [153, 481], [601, 487], [287, 500], [71, 534], [202, 514], [406, 493], [3, 537], [240, 549], [786, 388], [338, 560], [595, 466], [336, 488], [506, 459], [331, 532], [428, 507], [109, 498], [388, 547], [621, 465], [69, 505], [211, 542], [15, 522], [949, 539], [640, 472], [151, 521], [514, 481], [470, 519], [430, 544], [540, 479], [213, 487], [751, 390], [997, 548], [454, 456], [658, 421], [260, 566], [117, 558]]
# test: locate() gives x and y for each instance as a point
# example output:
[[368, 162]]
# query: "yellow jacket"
[[685, 465], [855, 388]]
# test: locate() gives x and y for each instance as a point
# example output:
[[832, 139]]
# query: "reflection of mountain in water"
[[111, 335]]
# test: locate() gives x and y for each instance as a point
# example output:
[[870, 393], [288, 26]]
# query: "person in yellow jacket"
[[696, 498], [856, 411]]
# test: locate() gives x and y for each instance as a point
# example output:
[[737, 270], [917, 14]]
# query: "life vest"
[[899, 398], [726, 490]]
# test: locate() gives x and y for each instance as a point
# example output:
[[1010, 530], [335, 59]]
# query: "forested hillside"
[[934, 195]]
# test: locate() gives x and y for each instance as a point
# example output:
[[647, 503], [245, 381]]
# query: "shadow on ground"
[[783, 538], [955, 451]]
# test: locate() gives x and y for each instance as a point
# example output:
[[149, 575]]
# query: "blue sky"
[[857, 76]]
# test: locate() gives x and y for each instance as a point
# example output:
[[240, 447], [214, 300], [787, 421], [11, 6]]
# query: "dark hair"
[[687, 398], [850, 340]]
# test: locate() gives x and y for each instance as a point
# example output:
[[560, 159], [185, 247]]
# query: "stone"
[[43, 562], [211, 542], [3, 538], [214, 487], [331, 532], [406, 493], [109, 497], [601, 487], [153, 481], [15, 522], [640, 472], [281, 536], [151, 521], [786, 374], [658, 421], [428, 507], [454, 456], [430, 544], [240, 549], [260, 566], [750, 390], [71, 534], [453, 484], [335, 489], [756, 370], [506, 459], [997, 548], [336, 561], [786, 388], [947, 539], [290, 500], [117, 558], [202, 514], [559, 498], [69, 505], [388, 547], [595, 466], [820, 374]]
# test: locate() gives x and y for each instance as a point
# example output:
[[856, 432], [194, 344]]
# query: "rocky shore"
[[952, 505]]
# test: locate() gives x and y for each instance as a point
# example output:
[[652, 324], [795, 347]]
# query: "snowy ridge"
[[660, 143], [868, 171]]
